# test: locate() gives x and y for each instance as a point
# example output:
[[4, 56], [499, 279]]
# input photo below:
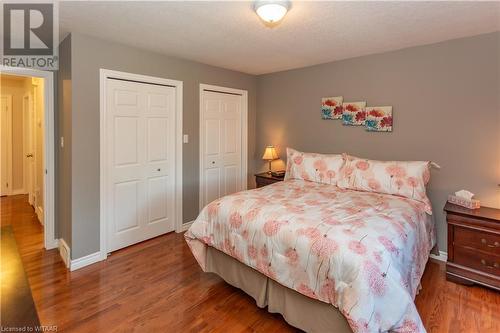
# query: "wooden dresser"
[[263, 179], [473, 245]]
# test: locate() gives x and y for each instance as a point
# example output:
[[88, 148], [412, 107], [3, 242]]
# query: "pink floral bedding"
[[362, 252]]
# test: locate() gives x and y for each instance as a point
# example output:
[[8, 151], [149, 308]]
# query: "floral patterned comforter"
[[363, 252]]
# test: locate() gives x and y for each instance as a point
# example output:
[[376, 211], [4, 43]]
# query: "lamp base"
[[270, 171]]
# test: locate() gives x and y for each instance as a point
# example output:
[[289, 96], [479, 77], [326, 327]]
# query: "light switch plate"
[[62, 141], [185, 138]]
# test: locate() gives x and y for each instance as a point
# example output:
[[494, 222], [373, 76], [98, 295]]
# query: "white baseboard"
[[443, 256], [64, 252], [98, 256], [85, 261], [185, 226], [73, 265], [39, 214]]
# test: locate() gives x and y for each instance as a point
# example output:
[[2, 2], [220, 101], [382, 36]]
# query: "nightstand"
[[473, 245], [263, 179]]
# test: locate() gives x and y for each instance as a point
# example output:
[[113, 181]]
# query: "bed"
[[326, 258]]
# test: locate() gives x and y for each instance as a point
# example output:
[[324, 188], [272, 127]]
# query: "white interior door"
[[140, 130], [221, 145], [6, 145], [29, 147]]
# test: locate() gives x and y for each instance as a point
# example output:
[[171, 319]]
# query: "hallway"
[[27, 229]]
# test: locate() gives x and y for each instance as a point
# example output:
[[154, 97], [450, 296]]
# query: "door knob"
[[29, 155]]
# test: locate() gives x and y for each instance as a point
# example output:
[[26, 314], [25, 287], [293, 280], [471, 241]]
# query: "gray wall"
[[88, 56], [446, 105], [63, 155]]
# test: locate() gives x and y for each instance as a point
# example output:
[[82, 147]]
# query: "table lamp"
[[270, 155]]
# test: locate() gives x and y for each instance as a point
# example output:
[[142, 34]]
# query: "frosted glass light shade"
[[271, 11]]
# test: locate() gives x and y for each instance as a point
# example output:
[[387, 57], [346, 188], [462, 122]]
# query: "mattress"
[[362, 253]]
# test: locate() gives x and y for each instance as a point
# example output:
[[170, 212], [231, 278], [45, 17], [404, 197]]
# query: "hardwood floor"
[[157, 286]]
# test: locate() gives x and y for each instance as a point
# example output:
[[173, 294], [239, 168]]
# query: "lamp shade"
[[270, 154]]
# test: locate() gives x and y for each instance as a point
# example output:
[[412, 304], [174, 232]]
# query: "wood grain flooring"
[[157, 286]]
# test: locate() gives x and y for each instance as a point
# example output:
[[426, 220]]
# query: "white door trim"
[[50, 241], [244, 135], [9, 143], [26, 186], [105, 74]]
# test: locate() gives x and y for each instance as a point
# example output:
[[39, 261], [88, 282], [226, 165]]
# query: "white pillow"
[[404, 178], [319, 168]]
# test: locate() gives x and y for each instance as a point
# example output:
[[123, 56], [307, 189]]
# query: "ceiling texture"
[[230, 35]]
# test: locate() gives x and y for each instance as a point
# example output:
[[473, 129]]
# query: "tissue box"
[[471, 204]]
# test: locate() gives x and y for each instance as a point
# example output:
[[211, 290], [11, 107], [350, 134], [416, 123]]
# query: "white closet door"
[[141, 161], [222, 145]]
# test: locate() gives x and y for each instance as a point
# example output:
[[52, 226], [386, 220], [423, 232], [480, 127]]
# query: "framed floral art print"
[[331, 107], [379, 119], [353, 113]]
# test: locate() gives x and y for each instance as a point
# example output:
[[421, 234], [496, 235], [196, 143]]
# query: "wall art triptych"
[[374, 118]]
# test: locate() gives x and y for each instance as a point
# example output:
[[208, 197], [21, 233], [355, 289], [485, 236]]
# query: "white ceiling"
[[230, 35]]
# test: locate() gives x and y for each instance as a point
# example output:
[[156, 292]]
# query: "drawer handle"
[[495, 264], [496, 244]]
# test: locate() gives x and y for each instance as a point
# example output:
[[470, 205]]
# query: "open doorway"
[[27, 147]]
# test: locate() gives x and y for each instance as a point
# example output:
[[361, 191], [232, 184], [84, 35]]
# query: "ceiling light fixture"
[[271, 12]]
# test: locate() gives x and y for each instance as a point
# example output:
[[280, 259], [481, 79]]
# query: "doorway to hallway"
[[27, 142]]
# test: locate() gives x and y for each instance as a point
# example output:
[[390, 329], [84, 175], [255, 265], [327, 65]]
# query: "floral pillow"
[[319, 168], [404, 178]]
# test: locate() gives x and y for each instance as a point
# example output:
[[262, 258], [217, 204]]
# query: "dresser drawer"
[[480, 261], [484, 241]]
